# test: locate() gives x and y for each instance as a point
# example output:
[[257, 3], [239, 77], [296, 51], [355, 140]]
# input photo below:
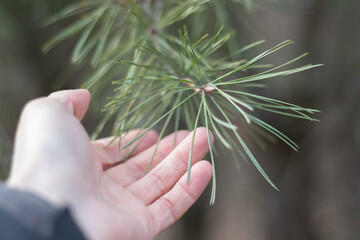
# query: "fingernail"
[[63, 98]]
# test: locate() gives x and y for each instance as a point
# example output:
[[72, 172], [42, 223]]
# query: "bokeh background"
[[319, 195]]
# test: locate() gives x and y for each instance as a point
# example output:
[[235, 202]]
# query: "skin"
[[55, 159]]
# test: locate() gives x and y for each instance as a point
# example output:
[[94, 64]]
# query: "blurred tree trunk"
[[332, 149]]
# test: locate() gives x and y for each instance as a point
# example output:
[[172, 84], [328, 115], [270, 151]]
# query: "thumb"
[[49, 130], [52, 154], [76, 101]]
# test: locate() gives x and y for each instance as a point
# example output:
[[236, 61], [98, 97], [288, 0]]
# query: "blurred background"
[[319, 195]]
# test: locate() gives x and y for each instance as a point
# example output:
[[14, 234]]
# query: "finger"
[[163, 177], [109, 152], [134, 169], [76, 101], [169, 208]]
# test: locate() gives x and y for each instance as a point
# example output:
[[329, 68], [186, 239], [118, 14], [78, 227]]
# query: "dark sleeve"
[[24, 215]]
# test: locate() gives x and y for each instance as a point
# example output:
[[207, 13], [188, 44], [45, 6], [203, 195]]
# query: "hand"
[[55, 159]]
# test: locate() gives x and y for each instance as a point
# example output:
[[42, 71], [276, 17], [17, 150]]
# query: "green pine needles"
[[171, 78]]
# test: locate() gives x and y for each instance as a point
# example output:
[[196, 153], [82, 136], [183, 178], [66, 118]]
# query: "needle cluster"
[[172, 78]]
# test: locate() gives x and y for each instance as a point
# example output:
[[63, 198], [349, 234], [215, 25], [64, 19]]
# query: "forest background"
[[319, 195]]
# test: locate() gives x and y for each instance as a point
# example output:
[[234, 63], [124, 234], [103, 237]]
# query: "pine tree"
[[166, 69]]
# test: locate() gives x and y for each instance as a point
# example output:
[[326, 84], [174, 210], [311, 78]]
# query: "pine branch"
[[169, 77]]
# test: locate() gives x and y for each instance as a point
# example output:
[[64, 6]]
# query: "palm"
[[153, 205]]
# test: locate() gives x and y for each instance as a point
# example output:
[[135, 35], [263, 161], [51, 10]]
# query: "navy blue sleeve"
[[24, 215]]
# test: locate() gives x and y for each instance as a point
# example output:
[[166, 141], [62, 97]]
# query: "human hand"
[[55, 159]]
